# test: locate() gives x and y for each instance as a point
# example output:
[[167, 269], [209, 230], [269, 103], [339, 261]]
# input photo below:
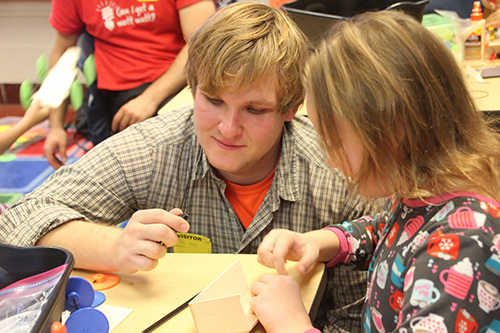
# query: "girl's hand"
[[276, 301], [281, 245]]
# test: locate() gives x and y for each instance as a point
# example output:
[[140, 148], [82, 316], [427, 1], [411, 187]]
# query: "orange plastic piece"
[[477, 12], [278, 3], [58, 327], [103, 281]]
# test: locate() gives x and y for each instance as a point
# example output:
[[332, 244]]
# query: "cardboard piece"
[[57, 85], [224, 306]]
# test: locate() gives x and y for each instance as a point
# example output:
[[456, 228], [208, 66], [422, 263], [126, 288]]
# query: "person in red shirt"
[[140, 51]]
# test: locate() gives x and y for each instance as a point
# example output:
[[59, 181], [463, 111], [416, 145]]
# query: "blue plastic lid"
[[99, 298], [79, 294], [87, 320]]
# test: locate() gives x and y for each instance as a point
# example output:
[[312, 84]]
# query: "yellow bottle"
[[474, 38]]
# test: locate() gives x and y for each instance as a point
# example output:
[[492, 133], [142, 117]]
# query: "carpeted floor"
[[24, 167]]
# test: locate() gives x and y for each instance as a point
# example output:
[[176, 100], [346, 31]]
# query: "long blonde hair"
[[244, 42], [404, 94]]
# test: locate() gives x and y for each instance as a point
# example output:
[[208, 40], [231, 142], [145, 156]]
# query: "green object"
[[25, 93], [42, 67], [442, 27], [89, 72], [7, 158], [76, 95], [9, 198]]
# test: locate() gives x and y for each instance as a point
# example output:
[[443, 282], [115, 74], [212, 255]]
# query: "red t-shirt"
[[135, 42]]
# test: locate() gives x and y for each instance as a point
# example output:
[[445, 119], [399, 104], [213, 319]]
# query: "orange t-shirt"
[[246, 199]]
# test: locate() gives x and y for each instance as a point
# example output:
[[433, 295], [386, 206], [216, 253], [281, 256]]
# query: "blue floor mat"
[[23, 175]]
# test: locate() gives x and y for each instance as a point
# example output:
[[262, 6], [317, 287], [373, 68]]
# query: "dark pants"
[[102, 105]]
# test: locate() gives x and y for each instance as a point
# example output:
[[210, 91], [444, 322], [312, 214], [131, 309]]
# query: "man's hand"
[[281, 245], [133, 112], [145, 238], [56, 141], [276, 301]]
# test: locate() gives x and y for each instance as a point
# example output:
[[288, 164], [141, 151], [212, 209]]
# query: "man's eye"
[[214, 100], [254, 110]]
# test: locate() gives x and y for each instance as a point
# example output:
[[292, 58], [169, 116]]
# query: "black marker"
[[168, 316]]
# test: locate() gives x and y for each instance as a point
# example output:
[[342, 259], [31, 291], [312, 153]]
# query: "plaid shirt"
[[160, 164]]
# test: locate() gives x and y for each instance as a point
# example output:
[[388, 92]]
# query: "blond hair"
[[404, 94], [243, 43]]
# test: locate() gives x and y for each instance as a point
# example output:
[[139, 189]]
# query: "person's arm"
[[138, 246], [56, 139], [34, 115], [145, 105], [335, 244], [491, 4], [109, 185], [493, 20]]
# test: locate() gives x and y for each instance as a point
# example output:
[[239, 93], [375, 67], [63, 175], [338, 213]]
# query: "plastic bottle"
[[474, 38]]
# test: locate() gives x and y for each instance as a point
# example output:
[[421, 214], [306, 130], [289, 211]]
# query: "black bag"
[[17, 263]]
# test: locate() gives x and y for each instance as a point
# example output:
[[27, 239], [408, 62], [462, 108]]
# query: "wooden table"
[[178, 277], [486, 94]]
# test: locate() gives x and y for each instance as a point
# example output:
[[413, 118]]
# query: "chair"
[[415, 9], [315, 16]]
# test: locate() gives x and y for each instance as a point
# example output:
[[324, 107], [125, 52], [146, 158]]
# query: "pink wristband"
[[313, 330], [343, 246]]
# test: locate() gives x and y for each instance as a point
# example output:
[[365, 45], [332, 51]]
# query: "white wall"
[[25, 33]]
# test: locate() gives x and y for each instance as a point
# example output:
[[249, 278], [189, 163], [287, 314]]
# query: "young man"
[[240, 162]]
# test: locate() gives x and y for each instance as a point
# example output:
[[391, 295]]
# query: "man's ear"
[[290, 114]]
